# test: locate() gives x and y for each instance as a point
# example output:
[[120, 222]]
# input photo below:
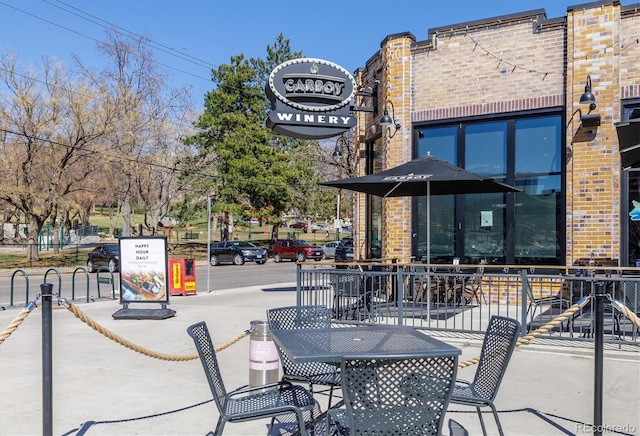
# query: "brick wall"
[[521, 63], [499, 69], [593, 170]]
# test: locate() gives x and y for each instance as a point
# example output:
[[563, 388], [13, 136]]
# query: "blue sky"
[[193, 36]]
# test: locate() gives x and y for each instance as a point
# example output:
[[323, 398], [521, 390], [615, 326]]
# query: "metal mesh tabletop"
[[332, 344]]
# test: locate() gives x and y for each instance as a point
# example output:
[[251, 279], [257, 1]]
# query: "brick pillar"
[[593, 162], [396, 80]]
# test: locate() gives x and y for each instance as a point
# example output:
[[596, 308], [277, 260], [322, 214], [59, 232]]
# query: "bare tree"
[[151, 117], [52, 121]]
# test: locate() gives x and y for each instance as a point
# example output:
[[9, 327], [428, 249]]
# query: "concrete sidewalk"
[[103, 388]]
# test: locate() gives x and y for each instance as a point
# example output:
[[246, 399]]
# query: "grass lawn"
[[181, 243]]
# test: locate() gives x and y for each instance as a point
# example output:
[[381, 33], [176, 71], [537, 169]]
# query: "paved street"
[[207, 278]]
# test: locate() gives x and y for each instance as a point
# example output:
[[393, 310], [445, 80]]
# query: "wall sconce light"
[[336, 150], [588, 97], [589, 120], [388, 121]]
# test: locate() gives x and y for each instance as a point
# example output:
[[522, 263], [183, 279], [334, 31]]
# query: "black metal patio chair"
[[497, 348], [557, 300], [273, 400], [394, 396], [313, 373]]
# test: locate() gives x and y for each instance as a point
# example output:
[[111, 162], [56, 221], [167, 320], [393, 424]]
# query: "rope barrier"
[[138, 349], [181, 358], [628, 313], [17, 321], [548, 326], [534, 334]]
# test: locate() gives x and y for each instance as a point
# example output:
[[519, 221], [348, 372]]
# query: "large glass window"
[[536, 147], [485, 149], [539, 226], [631, 209], [441, 143], [537, 229], [485, 152], [521, 228], [630, 226], [374, 203]]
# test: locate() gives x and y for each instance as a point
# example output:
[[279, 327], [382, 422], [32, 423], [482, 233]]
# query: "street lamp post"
[[337, 223]]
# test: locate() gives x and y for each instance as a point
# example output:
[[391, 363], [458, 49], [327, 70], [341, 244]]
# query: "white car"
[[329, 249], [319, 228]]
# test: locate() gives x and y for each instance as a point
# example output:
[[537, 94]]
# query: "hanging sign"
[[311, 99]]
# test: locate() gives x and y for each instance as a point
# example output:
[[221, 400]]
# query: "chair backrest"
[[295, 318], [299, 317], [207, 353], [497, 347], [403, 396], [631, 294]]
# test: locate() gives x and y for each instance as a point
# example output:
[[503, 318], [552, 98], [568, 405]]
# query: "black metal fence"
[[462, 299]]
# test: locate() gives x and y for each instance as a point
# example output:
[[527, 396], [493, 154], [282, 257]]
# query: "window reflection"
[[484, 240], [439, 142], [374, 216], [537, 145], [486, 149], [536, 230]]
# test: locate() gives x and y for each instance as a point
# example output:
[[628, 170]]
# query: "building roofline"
[[591, 5], [538, 16], [491, 21], [632, 8], [396, 36]]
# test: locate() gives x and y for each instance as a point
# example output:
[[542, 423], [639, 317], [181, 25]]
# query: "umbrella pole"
[[429, 250], [428, 222]]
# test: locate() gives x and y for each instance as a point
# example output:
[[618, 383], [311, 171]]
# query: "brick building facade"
[[501, 72]]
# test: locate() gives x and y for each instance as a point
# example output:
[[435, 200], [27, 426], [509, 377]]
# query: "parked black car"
[[104, 255], [344, 250], [237, 252]]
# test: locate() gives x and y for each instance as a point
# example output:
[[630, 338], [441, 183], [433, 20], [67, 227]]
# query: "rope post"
[[46, 291], [525, 300], [598, 358], [397, 290]]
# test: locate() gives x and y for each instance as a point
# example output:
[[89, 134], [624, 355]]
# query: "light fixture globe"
[[337, 152], [587, 97], [386, 119]]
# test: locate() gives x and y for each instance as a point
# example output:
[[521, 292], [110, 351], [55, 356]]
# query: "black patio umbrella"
[[423, 176], [420, 175]]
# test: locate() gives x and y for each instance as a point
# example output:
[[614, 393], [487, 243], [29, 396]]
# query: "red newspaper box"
[[182, 276]]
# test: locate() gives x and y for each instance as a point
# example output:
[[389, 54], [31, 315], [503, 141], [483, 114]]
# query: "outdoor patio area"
[[102, 388]]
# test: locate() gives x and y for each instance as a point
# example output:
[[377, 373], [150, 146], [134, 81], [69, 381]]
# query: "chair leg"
[[484, 429], [533, 315], [220, 427], [273, 420], [330, 397], [301, 424], [495, 416]]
